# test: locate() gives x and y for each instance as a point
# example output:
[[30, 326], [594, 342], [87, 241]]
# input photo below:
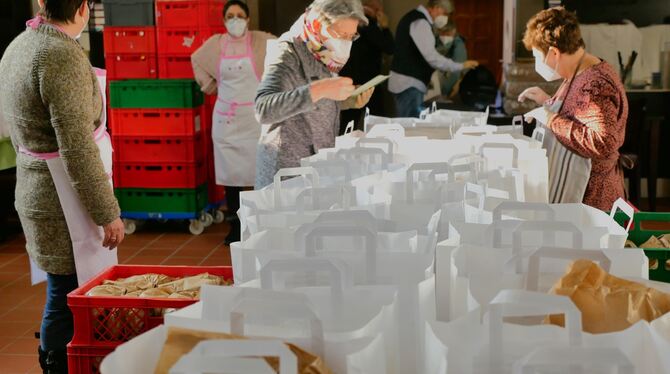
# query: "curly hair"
[[554, 27]]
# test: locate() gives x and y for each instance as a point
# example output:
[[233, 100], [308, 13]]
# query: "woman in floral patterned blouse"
[[588, 113]]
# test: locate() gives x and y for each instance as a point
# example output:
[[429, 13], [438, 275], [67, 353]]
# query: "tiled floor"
[[21, 304]]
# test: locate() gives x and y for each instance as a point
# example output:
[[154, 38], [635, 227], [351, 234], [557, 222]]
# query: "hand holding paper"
[[539, 114], [370, 84]]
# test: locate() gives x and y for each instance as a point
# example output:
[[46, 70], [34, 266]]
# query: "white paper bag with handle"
[[347, 311], [249, 256], [289, 316], [236, 356]]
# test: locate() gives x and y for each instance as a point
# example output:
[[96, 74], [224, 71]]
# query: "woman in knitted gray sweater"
[[52, 103], [300, 96]]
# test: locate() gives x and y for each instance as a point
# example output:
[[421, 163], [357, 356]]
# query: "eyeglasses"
[[351, 38]]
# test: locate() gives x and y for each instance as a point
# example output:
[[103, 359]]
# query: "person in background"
[[452, 46], [230, 66], [301, 95], [416, 58], [588, 113], [53, 104], [365, 62]]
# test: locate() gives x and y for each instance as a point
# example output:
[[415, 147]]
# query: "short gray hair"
[[339, 9], [444, 4]]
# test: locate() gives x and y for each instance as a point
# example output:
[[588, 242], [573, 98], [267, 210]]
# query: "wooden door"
[[481, 24]]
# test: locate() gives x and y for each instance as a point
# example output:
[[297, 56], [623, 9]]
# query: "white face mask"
[[236, 27], [446, 39], [548, 73], [441, 21], [340, 48]]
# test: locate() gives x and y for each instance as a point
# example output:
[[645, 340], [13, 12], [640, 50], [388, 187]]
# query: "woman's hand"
[[470, 64], [338, 89], [114, 233], [535, 94], [363, 99]]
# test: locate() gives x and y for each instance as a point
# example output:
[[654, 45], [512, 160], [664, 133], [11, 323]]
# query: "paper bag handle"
[[627, 209], [518, 206], [382, 130], [518, 303], [206, 354], [478, 191], [347, 217], [306, 265], [293, 309], [314, 193], [434, 167], [534, 257], [352, 231], [362, 142], [332, 164], [292, 172], [433, 107], [515, 151], [539, 133], [547, 228], [350, 128], [571, 357], [352, 153], [533, 278]]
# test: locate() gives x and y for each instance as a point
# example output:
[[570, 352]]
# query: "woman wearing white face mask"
[[231, 66], [301, 95], [54, 106], [588, 113]]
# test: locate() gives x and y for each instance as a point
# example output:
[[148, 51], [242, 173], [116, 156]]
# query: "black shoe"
[[53, 362]]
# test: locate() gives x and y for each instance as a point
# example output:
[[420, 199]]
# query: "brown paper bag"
[[140, 282], [607, 303], [194, 282], [181, 341]]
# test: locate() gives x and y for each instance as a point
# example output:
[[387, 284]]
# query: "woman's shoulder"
[[261, 35], [602, 79]]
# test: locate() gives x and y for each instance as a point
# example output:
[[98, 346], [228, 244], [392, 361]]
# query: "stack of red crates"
[[182, 27], [130, 52]]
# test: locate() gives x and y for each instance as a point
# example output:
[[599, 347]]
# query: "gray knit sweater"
[[51, 101], [299, 128]]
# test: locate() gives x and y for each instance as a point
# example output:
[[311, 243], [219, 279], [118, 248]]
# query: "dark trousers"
[[409, 103], [233, 204], [57, 325]]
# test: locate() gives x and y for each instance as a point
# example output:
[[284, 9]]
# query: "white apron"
[[90, 257], [235, 131]]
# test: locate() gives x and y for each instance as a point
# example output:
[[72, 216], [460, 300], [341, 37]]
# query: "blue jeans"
[[57, 325], [409, 103]]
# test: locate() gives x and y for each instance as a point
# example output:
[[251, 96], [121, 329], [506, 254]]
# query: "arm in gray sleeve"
[[278, 97], [422, 34]]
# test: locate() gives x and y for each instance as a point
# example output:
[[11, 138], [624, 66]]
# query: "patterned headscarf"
[[312, 36]]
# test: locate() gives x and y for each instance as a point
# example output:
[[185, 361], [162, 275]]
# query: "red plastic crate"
[[106, 322], [216, 193], [158, 148], [179, 40], [159, 175], [131, 66], [86, 359], [156, 122], [181, 13], [130, 39], [175, 67]]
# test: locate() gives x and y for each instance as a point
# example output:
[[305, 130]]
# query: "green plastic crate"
[[145, 200], [659, 258], [155, 94]]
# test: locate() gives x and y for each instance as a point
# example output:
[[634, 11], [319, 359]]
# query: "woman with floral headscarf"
[[300, 97]]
